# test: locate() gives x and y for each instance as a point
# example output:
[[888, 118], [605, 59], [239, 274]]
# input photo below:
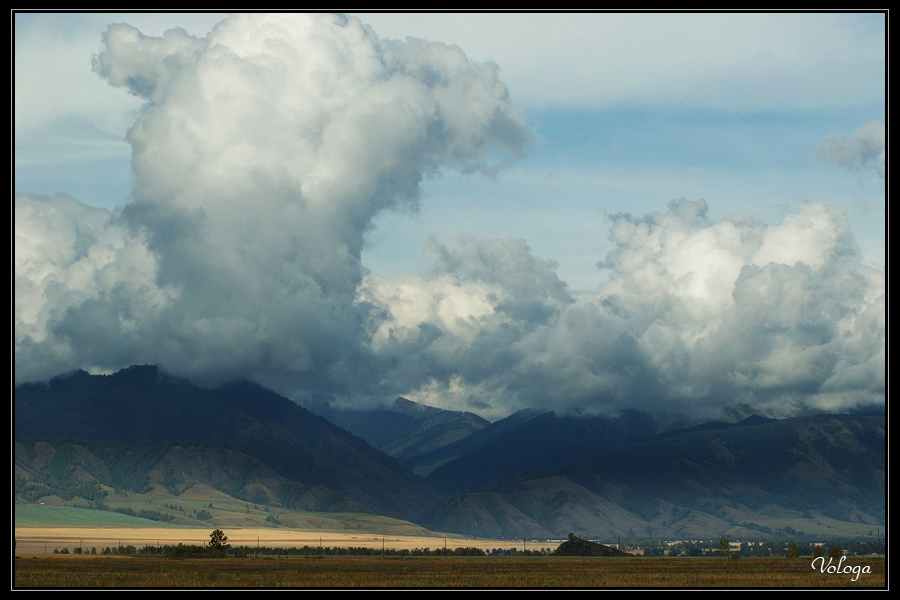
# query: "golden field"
[[39, 539]]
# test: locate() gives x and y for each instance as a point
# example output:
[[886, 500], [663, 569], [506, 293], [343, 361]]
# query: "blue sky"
[[739, 136], [627, 112]]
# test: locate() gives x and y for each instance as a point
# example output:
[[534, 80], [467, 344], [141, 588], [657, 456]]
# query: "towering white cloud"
[[262, 156], [261, 159]]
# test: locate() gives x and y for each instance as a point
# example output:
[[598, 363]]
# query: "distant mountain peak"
[[412, 408]]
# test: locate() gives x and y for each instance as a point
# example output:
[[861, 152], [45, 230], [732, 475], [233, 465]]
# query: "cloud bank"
[[264, 153], [696, 315]]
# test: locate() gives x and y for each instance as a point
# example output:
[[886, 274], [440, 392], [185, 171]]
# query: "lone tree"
[[218, 540], [724, 546]]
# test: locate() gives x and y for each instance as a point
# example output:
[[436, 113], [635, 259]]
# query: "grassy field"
[[435, 572], [43, 529], [36, 567], [224, 514]]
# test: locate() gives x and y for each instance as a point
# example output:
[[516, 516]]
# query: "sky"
[[673, 212]]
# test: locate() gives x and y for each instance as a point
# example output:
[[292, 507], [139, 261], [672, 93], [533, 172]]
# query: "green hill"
[[37, 515]]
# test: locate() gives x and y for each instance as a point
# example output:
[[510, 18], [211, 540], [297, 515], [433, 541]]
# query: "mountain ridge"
[[750, 481], [533, 474], [141, 406]]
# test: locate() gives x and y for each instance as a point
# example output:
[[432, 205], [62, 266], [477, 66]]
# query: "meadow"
[[86, 571]]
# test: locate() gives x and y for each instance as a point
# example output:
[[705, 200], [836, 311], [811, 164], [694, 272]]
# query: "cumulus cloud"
[[696, 315], [263, 155], [862, 149], [72, 260], [453, 337]]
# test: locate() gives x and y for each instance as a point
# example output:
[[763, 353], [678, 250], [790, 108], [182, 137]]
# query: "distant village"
[[737, 548]]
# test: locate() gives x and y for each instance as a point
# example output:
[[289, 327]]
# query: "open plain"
[[40, 540], [36, 565], [64, 571]]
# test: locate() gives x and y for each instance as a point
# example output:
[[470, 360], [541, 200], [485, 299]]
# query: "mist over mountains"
[[534, 474]]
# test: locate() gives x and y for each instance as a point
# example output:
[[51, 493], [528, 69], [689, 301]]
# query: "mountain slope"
[[815, 474], [536, 441], [418, 436], [93, 474], [142, 407]]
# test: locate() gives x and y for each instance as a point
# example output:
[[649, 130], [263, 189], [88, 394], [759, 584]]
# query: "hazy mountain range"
[[533, 474]]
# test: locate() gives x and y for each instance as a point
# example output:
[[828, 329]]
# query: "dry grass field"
[[73, 571], [36, 566], [47, 539]]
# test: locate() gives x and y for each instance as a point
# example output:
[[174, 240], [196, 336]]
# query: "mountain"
[[418, 436], [757, 479], [141, 407], [536, 440], [534, 474], [91, 474]]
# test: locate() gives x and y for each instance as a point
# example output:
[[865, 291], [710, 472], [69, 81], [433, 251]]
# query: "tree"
[[724, 546], [793, 551], [218, 540]]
